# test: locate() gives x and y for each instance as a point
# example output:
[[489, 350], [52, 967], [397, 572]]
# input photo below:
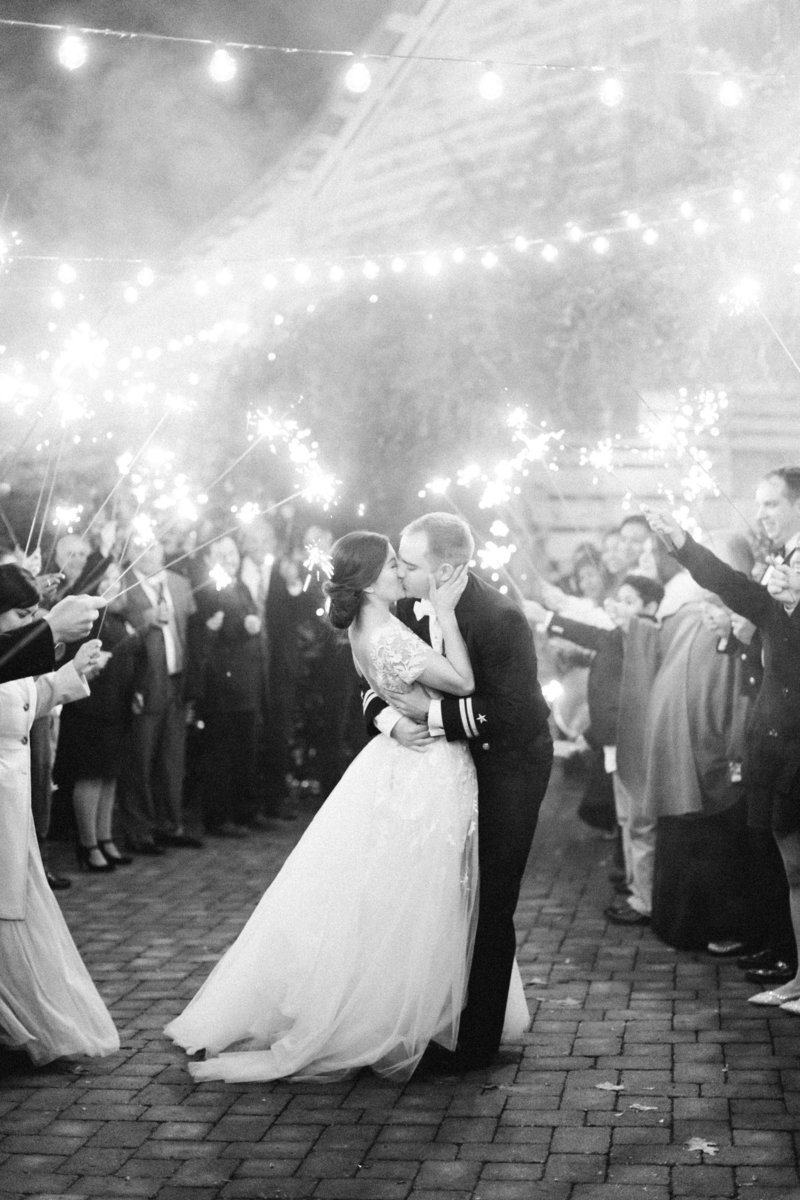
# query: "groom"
[[505, 722]]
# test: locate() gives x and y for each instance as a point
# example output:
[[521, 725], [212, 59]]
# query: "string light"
[[129, 36], [731, 93], [358, 78], [611, 92], [72, 51], [491, 85], [222, 66]]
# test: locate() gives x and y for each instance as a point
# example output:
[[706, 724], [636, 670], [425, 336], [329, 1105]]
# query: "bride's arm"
[[450, 671]]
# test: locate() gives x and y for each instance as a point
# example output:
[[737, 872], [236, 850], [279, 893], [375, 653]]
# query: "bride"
[[358, 954]]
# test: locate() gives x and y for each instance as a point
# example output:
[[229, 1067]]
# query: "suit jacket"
[[26, 651], [139, 611], [231, 669], [507, 711]]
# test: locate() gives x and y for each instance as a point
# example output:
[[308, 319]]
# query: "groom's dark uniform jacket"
[[505, 723], [507, 711]]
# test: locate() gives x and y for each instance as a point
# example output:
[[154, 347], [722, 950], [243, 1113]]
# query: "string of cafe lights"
[[736, 206], [73, 53]]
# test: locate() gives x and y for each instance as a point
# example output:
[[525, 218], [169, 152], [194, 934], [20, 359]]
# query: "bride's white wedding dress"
[[358, 954]]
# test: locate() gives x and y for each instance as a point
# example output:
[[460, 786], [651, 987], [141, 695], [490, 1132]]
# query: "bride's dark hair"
[[358, 559]]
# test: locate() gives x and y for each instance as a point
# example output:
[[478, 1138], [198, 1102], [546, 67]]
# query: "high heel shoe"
[[82, 853], [110, 852]]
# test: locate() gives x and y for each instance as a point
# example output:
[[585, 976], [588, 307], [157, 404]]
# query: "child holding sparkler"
[[49, 1006]]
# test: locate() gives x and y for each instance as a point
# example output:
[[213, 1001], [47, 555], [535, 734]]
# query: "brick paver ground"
[[634, 1051]]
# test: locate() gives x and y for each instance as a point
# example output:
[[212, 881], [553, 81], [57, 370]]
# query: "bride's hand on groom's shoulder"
[[445, 597]]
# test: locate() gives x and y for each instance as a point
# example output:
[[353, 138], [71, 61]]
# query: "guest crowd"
[[679, 651], [223, 694]]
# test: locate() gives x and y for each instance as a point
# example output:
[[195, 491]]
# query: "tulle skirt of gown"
[[49, 1006], [358, 953]]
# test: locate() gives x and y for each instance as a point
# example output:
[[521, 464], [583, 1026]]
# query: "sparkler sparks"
[[220, 577]]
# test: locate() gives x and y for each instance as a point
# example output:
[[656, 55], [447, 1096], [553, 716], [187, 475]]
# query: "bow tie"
[[424, 608]]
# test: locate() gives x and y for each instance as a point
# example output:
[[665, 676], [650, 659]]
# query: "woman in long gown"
[[49, 1006], [358, 954]]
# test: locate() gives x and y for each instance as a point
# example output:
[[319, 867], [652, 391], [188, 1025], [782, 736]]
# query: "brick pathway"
[[634, 1050]]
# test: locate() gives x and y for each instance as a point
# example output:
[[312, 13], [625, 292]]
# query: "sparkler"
[[317, 562], [220, 577]]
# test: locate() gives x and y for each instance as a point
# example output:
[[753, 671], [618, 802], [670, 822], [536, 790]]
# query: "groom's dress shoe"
[[438, 1061], [777, 972]]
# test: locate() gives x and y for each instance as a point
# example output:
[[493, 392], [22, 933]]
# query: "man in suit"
[[506, 725], [229, 694], [159, 604], [778, 508]]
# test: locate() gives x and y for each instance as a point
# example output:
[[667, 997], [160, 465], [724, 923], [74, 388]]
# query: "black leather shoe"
[[146, 847], [58, 882], [767, 977], [183, 841], [438, 1061], [623, 914], [759, 958]]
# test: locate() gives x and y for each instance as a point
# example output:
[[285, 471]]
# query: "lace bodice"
[[396, 657]]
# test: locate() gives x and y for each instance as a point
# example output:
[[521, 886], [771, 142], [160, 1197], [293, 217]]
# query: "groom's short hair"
[[449, 537]]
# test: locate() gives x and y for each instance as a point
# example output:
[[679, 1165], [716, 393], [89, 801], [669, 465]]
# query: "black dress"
[[92, 731]]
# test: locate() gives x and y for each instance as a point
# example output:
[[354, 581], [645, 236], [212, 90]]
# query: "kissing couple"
[[387, 939]]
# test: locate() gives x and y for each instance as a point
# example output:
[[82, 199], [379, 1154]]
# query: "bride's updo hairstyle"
[[17, 589], [358, 559]]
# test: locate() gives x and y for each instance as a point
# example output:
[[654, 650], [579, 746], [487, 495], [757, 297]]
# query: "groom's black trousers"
[[511, 787]]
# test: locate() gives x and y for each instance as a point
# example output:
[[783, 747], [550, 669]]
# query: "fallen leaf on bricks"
[[698, 1143], [644, 1107], [610, 1087]]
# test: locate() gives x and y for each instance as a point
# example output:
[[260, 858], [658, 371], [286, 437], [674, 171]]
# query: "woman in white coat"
[[49, 1006]]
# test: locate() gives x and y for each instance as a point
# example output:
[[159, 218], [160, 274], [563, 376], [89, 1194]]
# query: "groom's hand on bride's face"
[[411, 735]]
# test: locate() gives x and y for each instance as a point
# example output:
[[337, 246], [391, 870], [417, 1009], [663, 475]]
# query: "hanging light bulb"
[[549, 252], [611, 92], [431, 264], [336, 274], [146, 277], [731, 93], [358, 78], [67, 273], [72, 52], [222, 67], [601, 245], [490, 85], [489, 260], [302, 273]]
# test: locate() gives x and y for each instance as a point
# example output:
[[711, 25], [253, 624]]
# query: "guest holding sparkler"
[[772, 757], [229, 693], [92, 732], [49, 1006], [158, 604]]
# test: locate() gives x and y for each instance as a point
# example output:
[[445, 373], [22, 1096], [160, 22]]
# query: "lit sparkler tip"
[[220, 577], [743, 295], [318, 560]]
